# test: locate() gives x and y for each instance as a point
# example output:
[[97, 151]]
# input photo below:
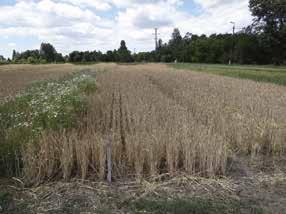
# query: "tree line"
[[48, 54], [263, 42]]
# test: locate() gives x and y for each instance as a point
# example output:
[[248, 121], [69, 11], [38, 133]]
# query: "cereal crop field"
[[150, 124]]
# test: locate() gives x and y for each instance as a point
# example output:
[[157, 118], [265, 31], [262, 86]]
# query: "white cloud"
[[217, 15], [97, 4], [129, 3], [45, 13], [83, 24], [12, 44]]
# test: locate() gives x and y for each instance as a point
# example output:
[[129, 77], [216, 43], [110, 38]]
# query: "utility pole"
[[232, 49], [156, 38], [233, 28]]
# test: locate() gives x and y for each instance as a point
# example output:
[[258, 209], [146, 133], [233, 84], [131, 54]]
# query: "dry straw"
[[161, 121]]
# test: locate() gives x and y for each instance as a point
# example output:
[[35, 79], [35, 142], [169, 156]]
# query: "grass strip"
[[269, 74]]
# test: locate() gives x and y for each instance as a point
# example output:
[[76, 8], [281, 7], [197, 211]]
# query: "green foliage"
[[84, 57], [45, 105], [176, 38], [29, 56], [274, 74], [48, 52], [32, 60], [270, 19], [42, 61], [203, 49], [124, 54]]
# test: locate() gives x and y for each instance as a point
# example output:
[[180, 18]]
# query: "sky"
[[101, 24]]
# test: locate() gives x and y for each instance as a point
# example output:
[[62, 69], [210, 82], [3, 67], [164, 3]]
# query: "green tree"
[[124, 55], [160, 44], [177, 45], [14, 54], [247, 49], [75, 56], [176, 38], [59, 58], [48, 52], [110, 56], [271, 20]]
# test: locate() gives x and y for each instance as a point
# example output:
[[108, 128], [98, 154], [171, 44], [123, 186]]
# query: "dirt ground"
[[250, 183]]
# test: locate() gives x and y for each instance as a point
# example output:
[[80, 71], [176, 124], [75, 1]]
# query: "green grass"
[[192, 206], [268, 73]]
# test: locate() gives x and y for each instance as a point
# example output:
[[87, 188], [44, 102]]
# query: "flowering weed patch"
[[43, 106]]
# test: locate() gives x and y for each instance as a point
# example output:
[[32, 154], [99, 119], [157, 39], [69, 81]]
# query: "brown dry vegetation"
[[238, 196], [161, 120], [14, 78]]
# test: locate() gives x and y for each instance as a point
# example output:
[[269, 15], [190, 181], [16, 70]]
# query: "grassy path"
[[270, 74]]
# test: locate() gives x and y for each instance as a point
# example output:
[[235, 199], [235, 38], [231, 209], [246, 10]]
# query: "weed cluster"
[[50, 105]]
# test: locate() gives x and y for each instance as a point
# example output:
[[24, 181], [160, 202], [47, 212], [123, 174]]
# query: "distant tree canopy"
[[263, 42], [49, 53], [122, 55], [216, 48], [46, 54]]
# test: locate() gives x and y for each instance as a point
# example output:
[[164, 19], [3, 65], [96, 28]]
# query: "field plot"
[[166, 122], [14, 78], [163, 124]]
